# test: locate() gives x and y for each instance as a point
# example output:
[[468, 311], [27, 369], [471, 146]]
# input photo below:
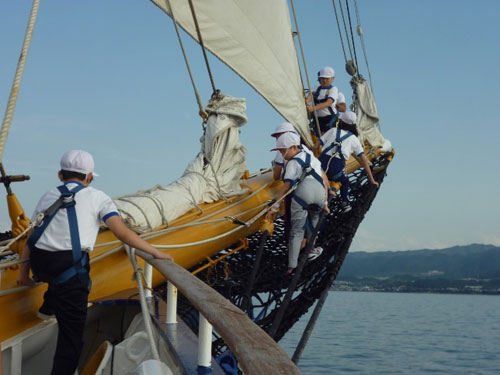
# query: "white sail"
[[254, 38]]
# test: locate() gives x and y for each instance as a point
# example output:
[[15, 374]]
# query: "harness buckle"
[[68, 199]]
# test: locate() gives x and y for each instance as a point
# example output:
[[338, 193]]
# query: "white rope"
[[144, 307], [14, 92], [36, 222]]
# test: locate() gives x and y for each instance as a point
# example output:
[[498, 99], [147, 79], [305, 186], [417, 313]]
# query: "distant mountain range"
[[473, 269]]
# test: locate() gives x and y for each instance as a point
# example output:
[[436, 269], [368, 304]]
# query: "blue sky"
[[108, 77]]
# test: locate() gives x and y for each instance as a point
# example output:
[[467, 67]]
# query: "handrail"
[[256, 352]]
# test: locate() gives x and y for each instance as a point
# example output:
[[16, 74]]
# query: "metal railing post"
[[148, 279], [171, 317], [204, 346]]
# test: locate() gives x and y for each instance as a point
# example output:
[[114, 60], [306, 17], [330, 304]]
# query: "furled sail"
[[214, 174], [254, 38], [366, 111]]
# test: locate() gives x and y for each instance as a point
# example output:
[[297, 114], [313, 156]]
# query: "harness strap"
[[67, 201], [316, 100], [337, 145], [307, 165]]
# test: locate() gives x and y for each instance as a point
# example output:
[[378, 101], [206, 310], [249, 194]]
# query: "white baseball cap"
[[78, 161], [349, 118], [326, 72], [287, 140], [283, 128]]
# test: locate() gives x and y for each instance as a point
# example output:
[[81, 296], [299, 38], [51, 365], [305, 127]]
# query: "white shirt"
[[332, 93], [294, 170], [340, 98], [350, 145], [92, 207]]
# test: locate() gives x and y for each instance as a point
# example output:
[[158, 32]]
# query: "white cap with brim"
[[326, 72], [283, 128], [349, 118], [287, 140], [78, 161]]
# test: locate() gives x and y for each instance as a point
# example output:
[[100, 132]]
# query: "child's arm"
[[124, 234], [317, 107], [366, 165]]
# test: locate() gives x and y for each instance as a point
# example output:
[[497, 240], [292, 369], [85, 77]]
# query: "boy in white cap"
[[279, 162], [325, 99], [338, 146], [309, 197], [58, 250]]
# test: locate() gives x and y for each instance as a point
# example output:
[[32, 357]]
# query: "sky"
[[108, 77]]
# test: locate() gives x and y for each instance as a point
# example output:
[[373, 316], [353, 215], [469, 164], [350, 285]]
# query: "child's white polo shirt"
[[293, 169], [92, 207], [325, 93], [350, 145]]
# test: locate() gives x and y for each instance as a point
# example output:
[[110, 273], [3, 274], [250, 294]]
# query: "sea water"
[[396, 333]]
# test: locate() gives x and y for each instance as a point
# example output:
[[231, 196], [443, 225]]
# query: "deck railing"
[[257, 353]]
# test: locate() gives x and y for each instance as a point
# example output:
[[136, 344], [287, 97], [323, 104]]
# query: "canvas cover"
[[214, 174], [366, 111]]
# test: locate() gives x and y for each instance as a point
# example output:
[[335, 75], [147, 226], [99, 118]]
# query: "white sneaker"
[[314, 253]]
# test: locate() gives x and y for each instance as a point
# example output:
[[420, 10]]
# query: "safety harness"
[[317, 101], [67, 201], [336, 146]]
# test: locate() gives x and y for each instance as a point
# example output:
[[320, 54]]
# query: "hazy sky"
[[108, 77]]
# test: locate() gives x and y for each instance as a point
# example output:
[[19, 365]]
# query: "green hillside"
[[472, 269]]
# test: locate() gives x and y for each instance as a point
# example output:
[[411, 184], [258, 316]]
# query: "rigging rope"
[[9, 113], [196, 94], [340, 31], [352, 35], [360, 33], [346, 32], [202, 46], [305, 65]]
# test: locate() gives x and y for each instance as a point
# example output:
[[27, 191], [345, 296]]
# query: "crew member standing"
[[59, 248]]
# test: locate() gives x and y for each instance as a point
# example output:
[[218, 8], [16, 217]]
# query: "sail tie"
[[9, 113]]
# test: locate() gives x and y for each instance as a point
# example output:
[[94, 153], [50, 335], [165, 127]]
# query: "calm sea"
[[395, 333]]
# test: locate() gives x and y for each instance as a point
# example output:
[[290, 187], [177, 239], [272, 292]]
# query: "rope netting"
[[262, 299]]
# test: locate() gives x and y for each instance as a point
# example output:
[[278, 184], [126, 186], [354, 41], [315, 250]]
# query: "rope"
[[11, 105], [305, 65], [346, 32], [352, 35], [196, 94], [36, 222], [360, 33], [340, 31], [138, 273], [202, 46]]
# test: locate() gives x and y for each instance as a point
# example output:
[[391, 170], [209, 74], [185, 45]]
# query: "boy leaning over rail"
[[310, 194], [58, 249]]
